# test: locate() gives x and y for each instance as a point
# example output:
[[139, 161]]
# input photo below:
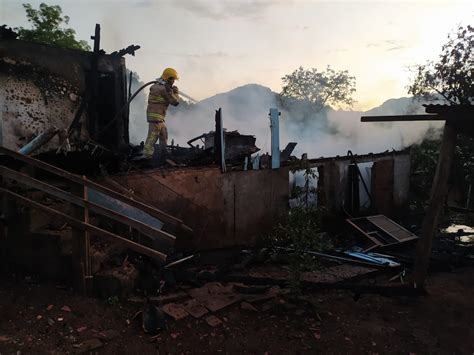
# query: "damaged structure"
[[76, 92], [63, 111]]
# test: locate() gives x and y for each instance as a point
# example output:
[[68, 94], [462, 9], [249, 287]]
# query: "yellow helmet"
[[169, 73]]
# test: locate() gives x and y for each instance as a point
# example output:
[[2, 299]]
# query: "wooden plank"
[[438, 193], [369, 236], [78, 180], [52, 190], [3, 231], [89, 227]]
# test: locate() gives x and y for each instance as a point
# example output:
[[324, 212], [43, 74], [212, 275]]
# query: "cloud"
[[396, 48], [337, 50], [388, 44], [225, 9], [218, 54], [144, 3], [301, 28]]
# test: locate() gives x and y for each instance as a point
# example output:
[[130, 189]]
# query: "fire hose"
[[127, 104]]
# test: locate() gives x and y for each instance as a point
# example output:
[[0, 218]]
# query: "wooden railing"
[[82, 189]]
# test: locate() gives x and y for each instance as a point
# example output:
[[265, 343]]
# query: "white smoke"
[[246, 109], [138, 126]]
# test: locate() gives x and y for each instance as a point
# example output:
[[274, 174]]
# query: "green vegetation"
[[46, 28], [424, 160], [301, 231], [452, 76], [320, 89]]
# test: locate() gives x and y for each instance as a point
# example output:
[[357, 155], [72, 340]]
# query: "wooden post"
[[219, 141], [93, 82], [81, 245], [87, 244], [3, 232], [438, 195]]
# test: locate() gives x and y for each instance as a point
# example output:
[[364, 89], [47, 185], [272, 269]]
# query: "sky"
[[217, 45]]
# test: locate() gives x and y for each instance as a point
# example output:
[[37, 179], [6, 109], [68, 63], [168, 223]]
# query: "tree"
[[319, 88], [46, 23], [452, 76]]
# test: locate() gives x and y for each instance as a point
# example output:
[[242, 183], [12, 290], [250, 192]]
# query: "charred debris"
[[76, 200]]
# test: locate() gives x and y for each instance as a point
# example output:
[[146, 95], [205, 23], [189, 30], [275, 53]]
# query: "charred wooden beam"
[[401, 118], [129, 50]]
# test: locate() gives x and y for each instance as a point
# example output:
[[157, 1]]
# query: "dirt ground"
[[32, 322]]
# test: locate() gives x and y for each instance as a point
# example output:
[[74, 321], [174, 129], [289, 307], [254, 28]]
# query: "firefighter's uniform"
[[162, 94]]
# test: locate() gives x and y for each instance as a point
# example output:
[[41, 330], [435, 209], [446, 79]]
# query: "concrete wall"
[[42, 86], [224, 210], [33, 100]]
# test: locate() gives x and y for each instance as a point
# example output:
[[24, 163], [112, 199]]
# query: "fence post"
[[81, 246]]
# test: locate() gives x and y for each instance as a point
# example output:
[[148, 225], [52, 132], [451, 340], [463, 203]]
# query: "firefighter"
[[162, 94]]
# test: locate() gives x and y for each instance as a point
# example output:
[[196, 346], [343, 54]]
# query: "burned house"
[[219, 195]]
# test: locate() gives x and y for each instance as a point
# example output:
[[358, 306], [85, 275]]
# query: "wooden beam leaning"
[[163, 216], [454, 120], [439, 190], [89, 227], [81, 202]]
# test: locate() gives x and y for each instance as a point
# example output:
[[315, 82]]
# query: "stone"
[[108, 334], [175, 311], [194, 308], [248, 307], [213, 321], [214, 296], [88, 345]]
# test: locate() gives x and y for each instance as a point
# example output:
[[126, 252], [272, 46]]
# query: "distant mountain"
[[240, 101], [244, 109], [401, 106], [249, 94]]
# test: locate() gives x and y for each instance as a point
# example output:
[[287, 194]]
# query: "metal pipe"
[[40, 140]]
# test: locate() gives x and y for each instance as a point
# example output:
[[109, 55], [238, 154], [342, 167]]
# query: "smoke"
[[138, 126], [332, 133]]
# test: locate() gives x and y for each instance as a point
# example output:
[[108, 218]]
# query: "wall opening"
[[303, 187], [366, 173]]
